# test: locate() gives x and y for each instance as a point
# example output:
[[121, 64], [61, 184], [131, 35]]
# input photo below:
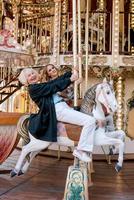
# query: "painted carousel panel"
[[8, 134], [130, 124]]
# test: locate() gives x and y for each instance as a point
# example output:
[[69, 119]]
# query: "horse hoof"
[[118, 168], [20, 173], [111, 152], [13, 173]]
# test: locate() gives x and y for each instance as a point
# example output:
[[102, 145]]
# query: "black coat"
[[43, 125]]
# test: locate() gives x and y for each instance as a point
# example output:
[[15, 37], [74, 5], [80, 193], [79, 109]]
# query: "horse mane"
[[89, 100]]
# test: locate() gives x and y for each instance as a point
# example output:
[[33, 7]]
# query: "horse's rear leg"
[[34, 145], [118, 166], [28, 162]]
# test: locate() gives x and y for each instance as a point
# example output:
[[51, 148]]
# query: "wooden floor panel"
[[46, 178]]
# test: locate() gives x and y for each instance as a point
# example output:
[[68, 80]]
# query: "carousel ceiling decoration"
[[34, 9]]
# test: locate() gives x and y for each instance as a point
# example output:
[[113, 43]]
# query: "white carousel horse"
[[102, 98], [104, 95]]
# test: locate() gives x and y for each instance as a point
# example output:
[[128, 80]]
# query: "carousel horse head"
[[106, 97], [102, 94]]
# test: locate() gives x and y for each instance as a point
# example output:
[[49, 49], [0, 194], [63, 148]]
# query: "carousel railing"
[[36, 26], [99, 32], [36, 32], [7, 88], [126, 35]]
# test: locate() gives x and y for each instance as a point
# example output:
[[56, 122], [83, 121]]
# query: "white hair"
[[23, 75]]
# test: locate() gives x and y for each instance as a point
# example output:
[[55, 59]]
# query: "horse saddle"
[[63, 129]]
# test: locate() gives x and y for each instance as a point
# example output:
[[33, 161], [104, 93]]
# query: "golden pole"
[[16, 16], [101, 6], [75, 49], [115, 35], [86, 45], [56, 45], [79, 45], [120, 98], [1, 13], [132, 21], [64, 9]]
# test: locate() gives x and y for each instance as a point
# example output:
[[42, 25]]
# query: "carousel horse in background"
[[103, 96]]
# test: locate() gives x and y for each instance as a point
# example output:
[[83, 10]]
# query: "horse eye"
[[108, 92]]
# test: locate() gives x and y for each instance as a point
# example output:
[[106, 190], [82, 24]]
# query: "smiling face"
[[52, 72], [32, 77]]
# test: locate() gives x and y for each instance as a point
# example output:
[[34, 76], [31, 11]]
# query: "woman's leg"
[[65, 114]]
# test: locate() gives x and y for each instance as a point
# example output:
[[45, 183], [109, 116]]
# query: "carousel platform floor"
[[46, 178]]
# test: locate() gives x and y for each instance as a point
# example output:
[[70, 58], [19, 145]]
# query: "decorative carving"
[[130, 117], [130, 102], [43, 61], [76, 184], [99, 60], [100, 72], [8, 134], [68, 59], [12, 59], [128, 60]]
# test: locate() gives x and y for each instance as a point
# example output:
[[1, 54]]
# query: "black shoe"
[[13, 173], [118, 167], [20, 173]]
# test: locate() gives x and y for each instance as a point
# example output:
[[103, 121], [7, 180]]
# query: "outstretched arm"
[[52, 87]]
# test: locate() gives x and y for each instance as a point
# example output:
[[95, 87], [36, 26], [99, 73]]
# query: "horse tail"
[[22, 129]]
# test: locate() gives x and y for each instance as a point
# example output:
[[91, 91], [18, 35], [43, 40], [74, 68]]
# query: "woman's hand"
[[101, 123], [75, 69], [79, 81], [74, 76]]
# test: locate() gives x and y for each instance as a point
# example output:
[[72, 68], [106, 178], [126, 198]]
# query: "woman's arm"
[[51, 87]]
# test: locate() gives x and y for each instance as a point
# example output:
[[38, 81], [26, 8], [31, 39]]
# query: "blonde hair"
[[44, 74], [23, 75]]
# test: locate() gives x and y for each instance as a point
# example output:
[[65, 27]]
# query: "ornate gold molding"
[[99, 60], [68, 59], [43, 61], [16, 59], [128, 60]]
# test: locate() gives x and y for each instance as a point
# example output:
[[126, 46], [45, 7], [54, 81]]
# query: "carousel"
[[97, 36]]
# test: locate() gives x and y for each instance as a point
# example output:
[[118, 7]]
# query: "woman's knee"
[[90, 120]]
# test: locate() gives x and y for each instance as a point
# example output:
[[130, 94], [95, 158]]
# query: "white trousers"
[[64, 113]]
